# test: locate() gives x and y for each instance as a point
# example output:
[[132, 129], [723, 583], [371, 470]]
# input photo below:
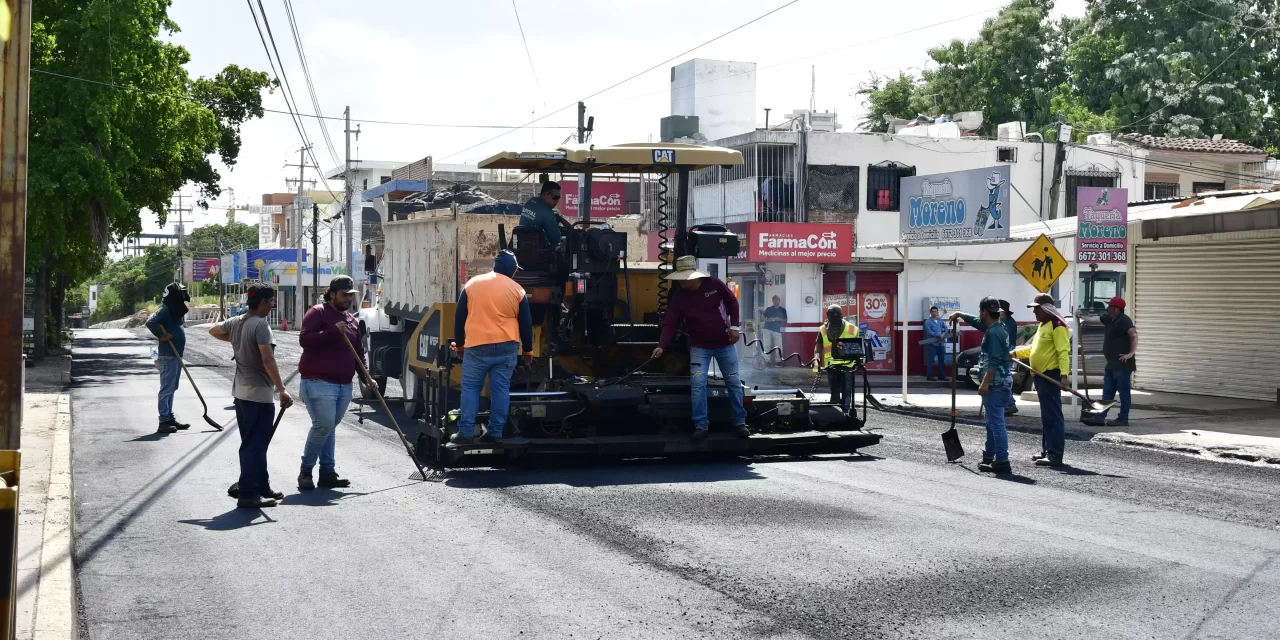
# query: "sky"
[[464, 63]]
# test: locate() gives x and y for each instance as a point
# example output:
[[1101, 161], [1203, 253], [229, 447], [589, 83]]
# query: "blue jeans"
[[935, 353], [1114, 380], [841, 381], [327, 403], [497, 362], [255, 420], [170, 374], [699, 366], [997, 447], [1010, 401], [1053, 424]]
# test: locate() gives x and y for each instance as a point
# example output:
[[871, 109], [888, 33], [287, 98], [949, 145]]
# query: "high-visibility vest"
[[850, 331]]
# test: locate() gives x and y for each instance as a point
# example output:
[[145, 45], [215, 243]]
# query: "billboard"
[[267, 233], [204, 269], [955, 207], [608, 199], [1102, 234], [256, 259], [799, 242], [232, 268]]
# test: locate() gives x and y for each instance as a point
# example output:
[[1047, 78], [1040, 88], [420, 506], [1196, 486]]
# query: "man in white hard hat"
[[711, 313]]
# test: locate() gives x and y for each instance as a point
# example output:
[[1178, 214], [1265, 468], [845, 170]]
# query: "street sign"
[[1041, 264]]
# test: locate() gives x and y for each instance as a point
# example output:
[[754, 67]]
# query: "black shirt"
[[1116, 342], [774, 317]]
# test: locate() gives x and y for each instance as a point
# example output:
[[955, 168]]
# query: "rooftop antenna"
[[813, 88]]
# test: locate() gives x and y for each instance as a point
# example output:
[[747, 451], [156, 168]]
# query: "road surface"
[[1124, 543]]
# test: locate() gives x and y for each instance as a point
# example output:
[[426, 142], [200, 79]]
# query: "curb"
[[1210, 452]]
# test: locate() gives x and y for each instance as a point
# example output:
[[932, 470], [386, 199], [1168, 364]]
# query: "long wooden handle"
[[955, 366], [365, 372], [1060, 385]]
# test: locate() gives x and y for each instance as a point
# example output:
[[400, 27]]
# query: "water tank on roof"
[[1099, 139]]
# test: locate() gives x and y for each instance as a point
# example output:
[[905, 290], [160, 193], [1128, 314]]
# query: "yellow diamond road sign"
[[1041, 264]]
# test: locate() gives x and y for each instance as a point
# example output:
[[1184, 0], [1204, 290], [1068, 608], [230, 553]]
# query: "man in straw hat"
[[1050, 352], [710, 312]]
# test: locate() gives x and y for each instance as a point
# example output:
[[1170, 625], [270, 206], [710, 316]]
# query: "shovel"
[[951, 437], [1091, 406], [193, 386], [1092, 418], [365, 373]]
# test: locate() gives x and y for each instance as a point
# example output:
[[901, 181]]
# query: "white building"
[[1185, 167], [824, 178], [95, 292], [722, 94]]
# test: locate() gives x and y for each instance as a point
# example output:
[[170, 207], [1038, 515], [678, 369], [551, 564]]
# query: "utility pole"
[[584, 178], [315, 250], [181, 233], [299, 299], [348, 191], [1059, 156], [582, 123], [15, 64]]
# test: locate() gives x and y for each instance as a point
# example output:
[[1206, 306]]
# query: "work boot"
[[699, 434], [1010, 411], [1050, 460], [268, 492], [180, 425], [458, 438], [995, 467], [490, 439], [742, 431], [167, 426], [330, 480], [234, 490], [1117, 423], [931, 378], [255, 502], [305, 483], [986, 461], [1039, 456]]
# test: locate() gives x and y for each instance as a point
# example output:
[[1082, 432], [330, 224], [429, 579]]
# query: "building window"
[[1160, 190], [1085, 179], [1007, 154], [365, 185], [884, 185], [833, 188], [384, 179], [1206, 187]]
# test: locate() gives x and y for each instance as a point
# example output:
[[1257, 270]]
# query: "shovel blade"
[[951, 442], [212, 423]]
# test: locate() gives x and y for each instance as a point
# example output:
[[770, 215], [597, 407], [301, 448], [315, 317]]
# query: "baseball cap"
[[342, 284], [1116, 302], [990, 305]]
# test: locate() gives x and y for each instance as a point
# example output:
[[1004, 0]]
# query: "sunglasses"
[[556, 197]]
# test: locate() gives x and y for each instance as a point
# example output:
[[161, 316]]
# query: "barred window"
[[884, 185], [1161, 190]]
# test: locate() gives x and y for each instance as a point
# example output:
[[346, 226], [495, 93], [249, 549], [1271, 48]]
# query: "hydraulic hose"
[[665, 261]]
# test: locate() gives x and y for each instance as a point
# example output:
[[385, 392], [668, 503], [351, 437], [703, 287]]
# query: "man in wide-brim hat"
[[711, 313], [1050, 352]]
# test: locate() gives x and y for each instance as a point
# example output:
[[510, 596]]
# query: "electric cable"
[[311, 87]]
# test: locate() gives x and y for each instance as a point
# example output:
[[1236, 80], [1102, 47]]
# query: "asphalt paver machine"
[[593, 389]]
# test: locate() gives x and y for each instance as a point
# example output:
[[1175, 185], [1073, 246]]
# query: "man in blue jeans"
[[168, 325], [327, 367], [711, 313], [935, 345], [994, 363], [1119, 345], [491, 323]]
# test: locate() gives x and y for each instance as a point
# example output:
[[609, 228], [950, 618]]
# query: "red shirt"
[[324, 355], [708, 311]]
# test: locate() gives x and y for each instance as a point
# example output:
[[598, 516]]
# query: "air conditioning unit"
[[1011, 131], [1099, 139]]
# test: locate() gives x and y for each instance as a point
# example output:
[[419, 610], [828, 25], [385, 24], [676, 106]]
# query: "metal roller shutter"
[[1205, 314]]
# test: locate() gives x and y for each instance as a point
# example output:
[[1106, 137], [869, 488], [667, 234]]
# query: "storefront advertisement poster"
[[1102, 234], [955, 207]]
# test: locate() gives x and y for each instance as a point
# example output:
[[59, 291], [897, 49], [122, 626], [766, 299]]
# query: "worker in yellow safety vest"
[[839, 372]]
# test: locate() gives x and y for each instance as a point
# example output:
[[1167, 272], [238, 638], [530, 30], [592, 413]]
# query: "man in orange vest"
[[491, 324]]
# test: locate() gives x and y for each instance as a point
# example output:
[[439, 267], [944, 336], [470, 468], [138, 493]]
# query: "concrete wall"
[[720, 92]]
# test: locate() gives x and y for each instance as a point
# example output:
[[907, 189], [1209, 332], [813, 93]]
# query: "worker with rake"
[[1050, 352]]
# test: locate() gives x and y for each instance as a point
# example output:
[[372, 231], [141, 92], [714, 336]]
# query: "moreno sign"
[[961, 206], [799, 242], [1103, 232]]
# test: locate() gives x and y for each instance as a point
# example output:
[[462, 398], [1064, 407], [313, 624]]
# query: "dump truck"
[[593, 388]]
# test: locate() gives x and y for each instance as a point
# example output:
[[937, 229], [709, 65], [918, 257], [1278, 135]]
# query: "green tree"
[[893, 97], [217, 239], [102, 153]]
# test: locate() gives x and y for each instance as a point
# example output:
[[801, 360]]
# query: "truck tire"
[[412, 385]]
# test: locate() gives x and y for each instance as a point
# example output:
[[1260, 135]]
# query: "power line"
[[627, 79], [528, 55], [311, 87], [121, 87]]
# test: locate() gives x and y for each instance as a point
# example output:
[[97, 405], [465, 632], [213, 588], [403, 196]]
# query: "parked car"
[[968, 363]]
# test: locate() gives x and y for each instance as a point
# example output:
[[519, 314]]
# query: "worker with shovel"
[[994, 365], [256, 382], [1050, 352], [327, 368], [168, 325]]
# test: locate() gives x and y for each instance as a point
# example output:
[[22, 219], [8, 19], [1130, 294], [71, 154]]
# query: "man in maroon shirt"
[[710, 312], [327, 368]]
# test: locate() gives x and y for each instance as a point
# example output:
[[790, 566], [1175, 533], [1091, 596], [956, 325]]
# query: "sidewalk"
[[46, 588]]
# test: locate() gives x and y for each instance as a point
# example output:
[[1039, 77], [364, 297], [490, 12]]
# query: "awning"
[[622, 158]]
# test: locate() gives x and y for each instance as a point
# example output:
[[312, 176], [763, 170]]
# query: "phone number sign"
[[1102, 233]]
